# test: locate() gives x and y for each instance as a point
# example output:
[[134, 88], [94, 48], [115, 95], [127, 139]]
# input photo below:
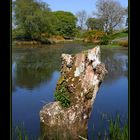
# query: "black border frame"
[[5, 70]]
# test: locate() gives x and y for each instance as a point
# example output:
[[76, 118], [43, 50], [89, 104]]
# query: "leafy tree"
[[111, 13], [94, 24], [32, 17], [66, 24]]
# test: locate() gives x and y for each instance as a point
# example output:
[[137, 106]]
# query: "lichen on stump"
[[81, 76]]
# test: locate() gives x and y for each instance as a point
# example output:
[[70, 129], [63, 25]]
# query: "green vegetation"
[[34, 18], [115, 130], [31, 19], [119, 34], [66, 25], [34, 21], [19, 133], [94, 24], [62, 95], [104, 40], [96, 37], [101, 38], [111, 46]]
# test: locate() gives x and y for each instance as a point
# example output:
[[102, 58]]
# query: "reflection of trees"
[[36, 67], [13, 76], [38, 64], [116, 66]]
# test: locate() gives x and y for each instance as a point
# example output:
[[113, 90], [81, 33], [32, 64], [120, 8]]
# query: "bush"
[[89, 35], [104, 40], [93, 36], [57, 37], [45, 35], [124, 43]]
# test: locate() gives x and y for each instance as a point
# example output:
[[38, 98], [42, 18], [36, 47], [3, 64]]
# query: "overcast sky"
[[76, 5]]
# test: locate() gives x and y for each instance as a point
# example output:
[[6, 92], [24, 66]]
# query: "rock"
[[81, 76]]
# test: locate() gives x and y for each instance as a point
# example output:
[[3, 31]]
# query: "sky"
[[77, 5]]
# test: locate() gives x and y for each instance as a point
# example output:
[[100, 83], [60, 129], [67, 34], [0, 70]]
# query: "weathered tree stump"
[[81, 76]]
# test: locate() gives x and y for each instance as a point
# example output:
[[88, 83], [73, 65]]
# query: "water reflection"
[[116, 62], [36, 66], [13, 75]]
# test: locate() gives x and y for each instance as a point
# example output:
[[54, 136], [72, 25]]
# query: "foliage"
[[94, 24], [18, 33], [62, 95], [93, 35], [30, 17], [66, 25], [118, 35], [111, 13], [89, 35], [98, 35], [33, 18], [104, 40]]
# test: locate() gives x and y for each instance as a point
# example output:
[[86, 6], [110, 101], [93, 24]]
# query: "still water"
[[35, 72]]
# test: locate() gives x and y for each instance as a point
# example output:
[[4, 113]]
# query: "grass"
[[116, 132], [105, 46], [111, 46], [118, 35], [19, 133]]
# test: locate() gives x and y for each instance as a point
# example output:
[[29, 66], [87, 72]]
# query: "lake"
[[35, 72]]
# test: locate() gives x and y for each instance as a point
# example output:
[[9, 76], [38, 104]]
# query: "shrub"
[[93, 36], [123, 43], [104, 40], [57, 37], [45, 35], [89, 35]]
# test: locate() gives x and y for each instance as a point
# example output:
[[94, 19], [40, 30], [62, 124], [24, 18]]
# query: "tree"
[[32, 17], [66, 24], [81, 16], [111, 13], [94, 24]]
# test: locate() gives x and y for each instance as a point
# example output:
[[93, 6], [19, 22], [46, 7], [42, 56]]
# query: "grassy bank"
[[118, 35]]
